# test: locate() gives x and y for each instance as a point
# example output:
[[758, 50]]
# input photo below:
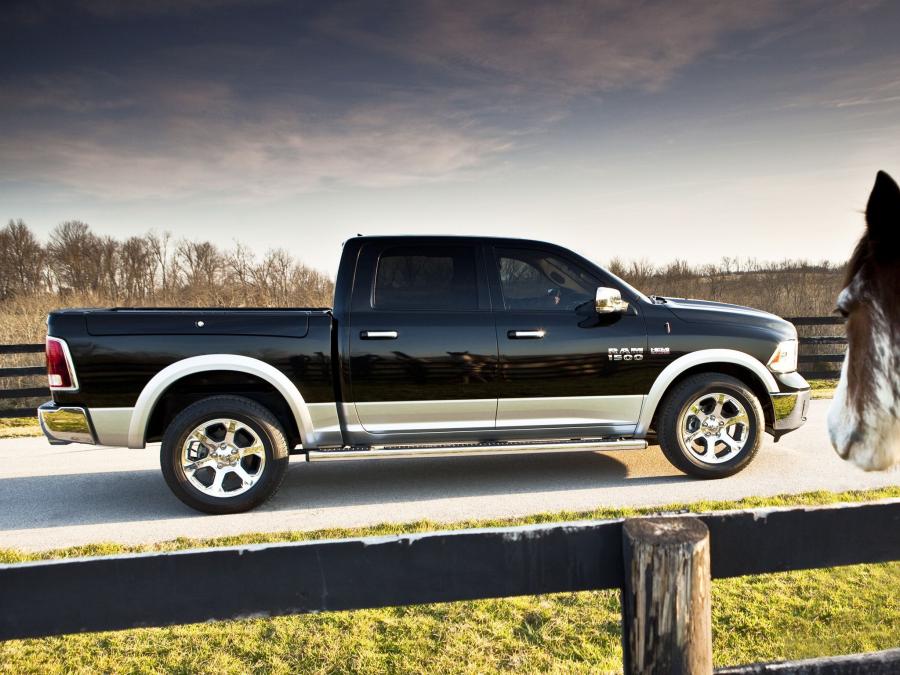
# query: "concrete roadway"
[[61, 496]]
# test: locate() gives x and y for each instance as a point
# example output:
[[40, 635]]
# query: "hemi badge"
[[659, 350]]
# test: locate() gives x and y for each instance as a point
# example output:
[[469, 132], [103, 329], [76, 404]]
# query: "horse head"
[[864, 419]]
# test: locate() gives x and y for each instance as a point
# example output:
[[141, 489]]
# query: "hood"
[[704, 311]]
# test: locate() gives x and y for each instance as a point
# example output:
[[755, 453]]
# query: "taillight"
[[59, 365]]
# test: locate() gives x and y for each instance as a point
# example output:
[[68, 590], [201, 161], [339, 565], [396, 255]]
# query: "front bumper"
[[65, 424], [788, 411]]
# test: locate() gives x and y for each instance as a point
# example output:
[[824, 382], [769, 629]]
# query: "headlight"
[[784, 360]]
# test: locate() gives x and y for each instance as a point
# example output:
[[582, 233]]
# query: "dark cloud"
[[568, 46], [175, 98]]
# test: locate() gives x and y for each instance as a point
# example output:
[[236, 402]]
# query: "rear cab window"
[[432, 277]]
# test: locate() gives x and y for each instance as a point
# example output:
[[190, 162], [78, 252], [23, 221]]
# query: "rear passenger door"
[[423, 352], [557, 369]]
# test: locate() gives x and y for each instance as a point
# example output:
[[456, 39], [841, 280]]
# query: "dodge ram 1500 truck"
[[435, 346]]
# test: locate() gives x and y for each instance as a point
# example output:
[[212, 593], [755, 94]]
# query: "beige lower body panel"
[[111, 425], [569, 411], [384, 417]]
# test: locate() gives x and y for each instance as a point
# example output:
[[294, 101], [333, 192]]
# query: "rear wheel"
[[710, 425], [224, 454]]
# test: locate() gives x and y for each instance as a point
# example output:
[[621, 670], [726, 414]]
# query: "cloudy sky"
[[667, 129]]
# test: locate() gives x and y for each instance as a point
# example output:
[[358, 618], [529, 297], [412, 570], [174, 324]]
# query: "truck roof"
[[511, 241]]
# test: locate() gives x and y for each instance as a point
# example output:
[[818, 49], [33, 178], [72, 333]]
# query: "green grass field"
[[776, 616], [15, 427]]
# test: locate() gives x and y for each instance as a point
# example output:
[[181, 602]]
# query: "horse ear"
[[883, 210]]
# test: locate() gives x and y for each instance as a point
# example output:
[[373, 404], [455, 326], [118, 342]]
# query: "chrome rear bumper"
[[63, 425]]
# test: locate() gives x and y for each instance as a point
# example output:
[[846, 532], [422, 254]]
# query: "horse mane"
[[858, 259]]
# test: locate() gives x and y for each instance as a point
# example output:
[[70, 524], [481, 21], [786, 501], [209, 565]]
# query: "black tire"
[[676, 403], [269, 474]]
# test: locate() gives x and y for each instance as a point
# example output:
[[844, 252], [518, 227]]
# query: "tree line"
[[153, 268], [78, 267], [785, 287]]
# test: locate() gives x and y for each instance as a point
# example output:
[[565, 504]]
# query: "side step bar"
[[469, 449]]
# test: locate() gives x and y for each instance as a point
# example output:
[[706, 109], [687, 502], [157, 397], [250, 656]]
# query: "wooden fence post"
[[667, 623]]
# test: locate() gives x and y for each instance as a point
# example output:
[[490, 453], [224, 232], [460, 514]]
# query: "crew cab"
[[435, 346]]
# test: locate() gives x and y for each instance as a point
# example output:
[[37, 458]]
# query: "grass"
[[767, 617], [822, 388], [17, 427]]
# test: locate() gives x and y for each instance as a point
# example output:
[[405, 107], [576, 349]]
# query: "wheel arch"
[[744, 367], [168, 379]]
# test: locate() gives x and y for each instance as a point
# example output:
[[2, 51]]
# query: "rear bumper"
[[65, 424]]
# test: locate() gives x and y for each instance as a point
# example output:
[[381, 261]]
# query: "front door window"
[[531, 279]]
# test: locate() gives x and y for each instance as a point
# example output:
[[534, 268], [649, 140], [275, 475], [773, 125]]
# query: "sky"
[[623, 128]]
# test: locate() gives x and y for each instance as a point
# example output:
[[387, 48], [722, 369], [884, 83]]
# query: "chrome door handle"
[[378, 334], [526, 334]]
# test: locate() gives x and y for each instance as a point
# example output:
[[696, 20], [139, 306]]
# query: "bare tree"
[[22, 260], [137, 269], [198, 264], [74, 253], [159, 250]]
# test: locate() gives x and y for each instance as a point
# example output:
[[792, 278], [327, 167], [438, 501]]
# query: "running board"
[[469, 449]]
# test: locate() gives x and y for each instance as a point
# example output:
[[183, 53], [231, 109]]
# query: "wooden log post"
[[667, 622]]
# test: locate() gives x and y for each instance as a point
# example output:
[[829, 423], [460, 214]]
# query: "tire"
[[689, 411], [227, 477]]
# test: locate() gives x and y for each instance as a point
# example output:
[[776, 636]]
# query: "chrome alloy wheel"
[[714, 428], [223, 458]]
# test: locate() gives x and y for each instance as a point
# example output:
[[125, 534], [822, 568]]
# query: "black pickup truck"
[[435, 346]]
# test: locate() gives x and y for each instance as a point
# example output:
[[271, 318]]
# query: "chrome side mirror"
[[609, 301]]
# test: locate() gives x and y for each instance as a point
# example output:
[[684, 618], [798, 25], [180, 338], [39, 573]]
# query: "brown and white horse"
[[864, 419]]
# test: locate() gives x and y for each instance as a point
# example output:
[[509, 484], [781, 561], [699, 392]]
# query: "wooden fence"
[[8, 409], [808, 345], [821, 356], [653, 567]]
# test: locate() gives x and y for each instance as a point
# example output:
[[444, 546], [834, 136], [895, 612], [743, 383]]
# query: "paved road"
[[61, 496]]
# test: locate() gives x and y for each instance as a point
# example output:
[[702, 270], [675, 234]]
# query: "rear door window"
[[426, 278]]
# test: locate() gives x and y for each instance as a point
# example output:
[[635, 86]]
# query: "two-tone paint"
[[359, 375]]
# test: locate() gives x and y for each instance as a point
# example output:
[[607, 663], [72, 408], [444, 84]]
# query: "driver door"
[[557, 364]]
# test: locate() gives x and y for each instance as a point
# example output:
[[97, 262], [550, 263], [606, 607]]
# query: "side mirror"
[[609, 301]]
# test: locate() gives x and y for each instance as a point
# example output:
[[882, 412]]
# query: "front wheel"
[[710, 425], [224, 454]]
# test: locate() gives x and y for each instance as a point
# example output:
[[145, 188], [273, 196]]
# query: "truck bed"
[[118, 350]]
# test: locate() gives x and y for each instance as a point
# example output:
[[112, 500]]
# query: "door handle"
[[378, 334], [526, 334]]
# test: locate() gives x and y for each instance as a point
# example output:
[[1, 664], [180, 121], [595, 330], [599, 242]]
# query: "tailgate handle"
[[378, 334], [526, 334]]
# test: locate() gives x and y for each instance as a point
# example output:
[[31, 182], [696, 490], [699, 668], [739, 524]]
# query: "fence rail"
[[809, 363], [161, 589], [10, 395]]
